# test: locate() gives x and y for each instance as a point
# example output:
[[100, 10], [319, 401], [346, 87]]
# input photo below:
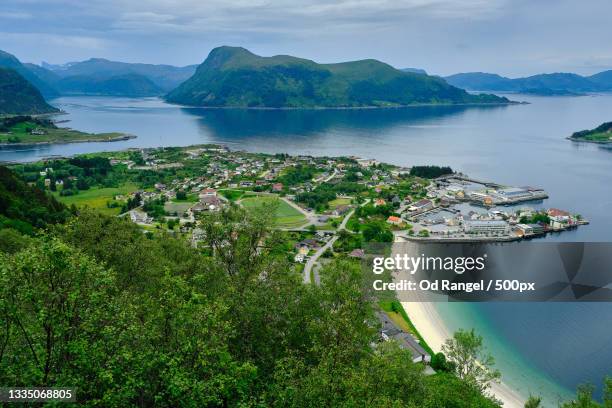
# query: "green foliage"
[[430, 172], [376, 231], [533, 402], [536, 218], [24, 208], [297, 175], [472, 362]]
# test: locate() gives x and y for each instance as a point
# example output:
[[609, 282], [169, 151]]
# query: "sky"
[[509, 37]]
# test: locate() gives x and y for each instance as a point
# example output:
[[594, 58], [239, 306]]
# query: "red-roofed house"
[[394, 220]]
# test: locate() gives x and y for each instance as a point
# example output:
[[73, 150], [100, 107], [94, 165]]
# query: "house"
[[394, 220], [379, 201], [421, 205], [277, 187], [208, 192], [341, 210], [139, 217], [406, 341], [357, 253], [559, 219]]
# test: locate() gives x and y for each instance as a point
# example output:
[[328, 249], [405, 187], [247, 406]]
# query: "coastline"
[[431, 327]]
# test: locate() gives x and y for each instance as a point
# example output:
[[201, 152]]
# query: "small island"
[[31, 130], [601, 134]]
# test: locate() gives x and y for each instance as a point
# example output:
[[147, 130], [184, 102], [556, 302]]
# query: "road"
[[313, 259]]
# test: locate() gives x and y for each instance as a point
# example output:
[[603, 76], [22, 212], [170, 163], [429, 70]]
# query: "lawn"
[[339, 201], [232, 195], [178, 207], [96, 198], [285, 215]]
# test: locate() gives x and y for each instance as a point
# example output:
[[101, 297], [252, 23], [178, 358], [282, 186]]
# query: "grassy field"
[[232, 195], [96, 198], [599, 137], [339, 201], [285, 215], [178, 207]]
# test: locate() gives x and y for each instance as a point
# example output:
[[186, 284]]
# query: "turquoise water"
[[519, 371], [541, 348]]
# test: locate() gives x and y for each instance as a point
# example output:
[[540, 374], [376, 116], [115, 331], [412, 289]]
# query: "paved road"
[[313, 259]]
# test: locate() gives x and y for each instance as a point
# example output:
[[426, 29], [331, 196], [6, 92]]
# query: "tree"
[[181, 195], [473, 363], [533, 402]]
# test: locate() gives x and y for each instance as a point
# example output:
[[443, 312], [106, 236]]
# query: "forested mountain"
[[235, 77], [32, 75], [545, 84], [18, 96]]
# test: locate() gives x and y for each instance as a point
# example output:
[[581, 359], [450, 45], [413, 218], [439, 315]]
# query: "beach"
[[431, 327]]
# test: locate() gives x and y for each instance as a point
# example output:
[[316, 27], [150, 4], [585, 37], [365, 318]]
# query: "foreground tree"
[[472, 362]]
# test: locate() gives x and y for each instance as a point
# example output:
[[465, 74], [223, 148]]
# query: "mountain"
[[603, 79], [542, 84], [235, 77], [165, 77], [479, 81], [32, 75], [18, 96], [414, 70], [119, 85]]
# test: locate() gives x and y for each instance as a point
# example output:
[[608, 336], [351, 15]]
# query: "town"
[[326, 206]]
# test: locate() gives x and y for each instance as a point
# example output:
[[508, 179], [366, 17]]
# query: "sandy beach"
[[430, 325]]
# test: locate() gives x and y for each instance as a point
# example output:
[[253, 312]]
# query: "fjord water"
[[541, 348]]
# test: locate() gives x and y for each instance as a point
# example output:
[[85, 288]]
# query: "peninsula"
[[601, 134], [32, 130]]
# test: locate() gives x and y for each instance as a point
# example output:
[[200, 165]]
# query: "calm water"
[[546, 347]]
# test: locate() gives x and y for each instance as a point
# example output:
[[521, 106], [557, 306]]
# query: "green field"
[[96, 198], [285, 215], [339, 201], [178, 207]]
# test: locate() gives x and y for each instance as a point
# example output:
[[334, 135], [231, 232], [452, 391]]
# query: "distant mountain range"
[[18, 96], [235, 77], [164, 77], [542, 84], [99, 76]]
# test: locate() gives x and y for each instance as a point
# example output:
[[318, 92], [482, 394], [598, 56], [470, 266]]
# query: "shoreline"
[[432, 329]]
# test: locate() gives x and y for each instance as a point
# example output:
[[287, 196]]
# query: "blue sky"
[[513, 38]]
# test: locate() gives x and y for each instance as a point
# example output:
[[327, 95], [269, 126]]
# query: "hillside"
[[601, 134], [120, 85], [235, 77], [541, 84], [165, 77], [33, 75], [18, 96], [23, 207]]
